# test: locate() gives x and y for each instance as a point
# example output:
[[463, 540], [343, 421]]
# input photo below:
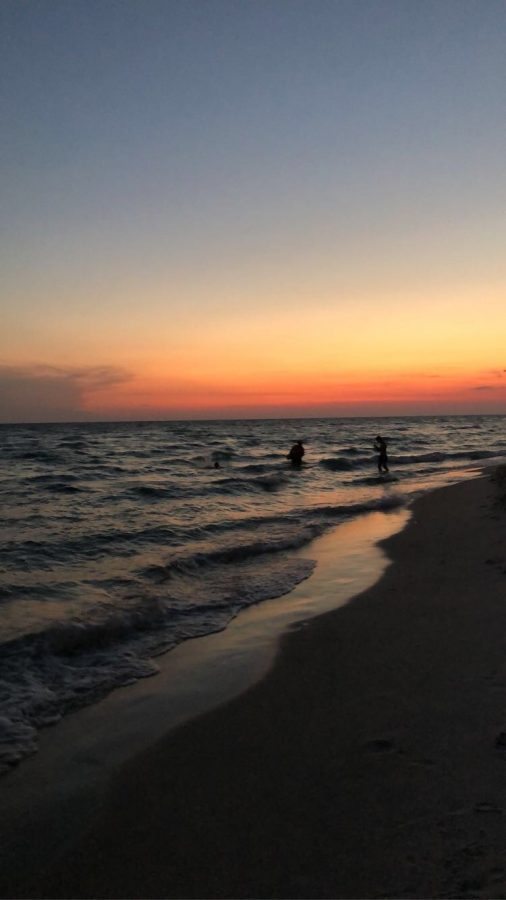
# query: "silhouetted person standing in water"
[[381, 446], [296, 453]]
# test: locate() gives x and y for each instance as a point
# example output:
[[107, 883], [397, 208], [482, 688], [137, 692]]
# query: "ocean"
[[121, 540]]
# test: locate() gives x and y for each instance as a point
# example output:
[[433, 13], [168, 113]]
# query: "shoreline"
[[80, 754], [362, 764]]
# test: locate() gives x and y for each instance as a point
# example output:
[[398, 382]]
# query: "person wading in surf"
[[296, 453], [381, 446]]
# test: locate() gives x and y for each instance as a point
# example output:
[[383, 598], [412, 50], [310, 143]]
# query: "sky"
[[252, 208]]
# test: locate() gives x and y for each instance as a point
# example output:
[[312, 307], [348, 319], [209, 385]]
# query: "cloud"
[[42, 393], [484, 387]]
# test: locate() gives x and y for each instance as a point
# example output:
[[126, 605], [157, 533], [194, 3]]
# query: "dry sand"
[[365, 764]]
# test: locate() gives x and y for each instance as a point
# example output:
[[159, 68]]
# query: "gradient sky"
[[220, 208]]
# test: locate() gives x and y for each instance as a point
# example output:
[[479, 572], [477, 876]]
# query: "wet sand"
[[368, 762]]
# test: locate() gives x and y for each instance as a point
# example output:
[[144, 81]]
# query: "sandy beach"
[[370, 760]]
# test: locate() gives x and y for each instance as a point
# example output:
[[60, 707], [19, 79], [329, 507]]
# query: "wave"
[[231, 485], [256, 468], [45, 456], [483, 454], [242, 552], [289, 531], [342, 464], [34, 554], [156, 492], [45, 591], [74, 443], [234, 485], [53, 477], [440, 456], [410, 459], [61, 487], [343, 512], [58, 483], [377, 479], [71, 664], [222, 454]]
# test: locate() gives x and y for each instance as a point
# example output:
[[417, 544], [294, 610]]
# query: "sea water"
[[121, 540]]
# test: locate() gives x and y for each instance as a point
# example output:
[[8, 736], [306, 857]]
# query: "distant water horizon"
[[284, 418], [120, 540]]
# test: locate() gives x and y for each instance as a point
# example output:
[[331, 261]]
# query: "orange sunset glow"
[[330, 240], [342, 394]]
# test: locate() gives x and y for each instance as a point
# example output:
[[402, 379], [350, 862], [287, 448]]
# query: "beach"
[[368, 760]]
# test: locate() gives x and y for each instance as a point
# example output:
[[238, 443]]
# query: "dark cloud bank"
[[41, 393]]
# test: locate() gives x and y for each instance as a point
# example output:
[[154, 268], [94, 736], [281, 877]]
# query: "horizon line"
[[466, 415]]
